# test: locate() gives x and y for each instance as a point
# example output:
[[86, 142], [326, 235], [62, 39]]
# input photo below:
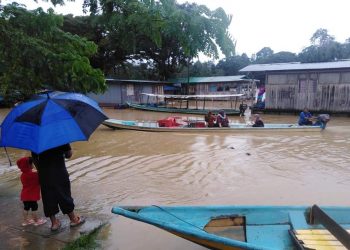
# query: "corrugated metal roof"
[[136, 81], [192, 80], [296, 66]]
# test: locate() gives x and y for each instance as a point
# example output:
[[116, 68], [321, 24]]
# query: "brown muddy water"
[[144, 168]]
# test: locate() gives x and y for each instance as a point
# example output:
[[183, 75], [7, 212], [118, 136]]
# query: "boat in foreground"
[[250, 227], [178, 124]]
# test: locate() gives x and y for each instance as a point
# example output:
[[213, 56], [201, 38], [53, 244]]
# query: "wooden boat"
[[182, 125], [179, 99], [251, 227]]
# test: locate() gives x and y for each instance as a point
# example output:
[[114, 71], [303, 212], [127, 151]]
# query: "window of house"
[[129, 89], [302, 86], [220, 88], [313, 86]]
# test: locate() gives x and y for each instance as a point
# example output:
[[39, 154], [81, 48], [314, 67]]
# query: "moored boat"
[[250, 227], [179, 124], [174, 104], [180, 110]]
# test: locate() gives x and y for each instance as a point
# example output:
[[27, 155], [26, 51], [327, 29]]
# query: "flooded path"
[[144, 168]]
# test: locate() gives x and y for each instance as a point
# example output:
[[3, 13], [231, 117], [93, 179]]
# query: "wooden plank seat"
[[333, 236], [320, 239]]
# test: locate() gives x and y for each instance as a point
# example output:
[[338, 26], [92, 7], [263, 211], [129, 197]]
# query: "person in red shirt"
[[210, 119], [30, 193], [222, 120]]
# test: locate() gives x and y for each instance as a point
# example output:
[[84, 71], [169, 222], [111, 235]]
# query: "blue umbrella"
[[50, 120]]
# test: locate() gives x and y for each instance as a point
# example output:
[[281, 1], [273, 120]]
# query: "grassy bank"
[[86, 241]]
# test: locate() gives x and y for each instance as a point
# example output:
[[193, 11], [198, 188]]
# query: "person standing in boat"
[[210, 119], [221, 119], [305, 118], [257, 121]]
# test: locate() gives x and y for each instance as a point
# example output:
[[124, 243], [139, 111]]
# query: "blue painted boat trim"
[[260, 220]]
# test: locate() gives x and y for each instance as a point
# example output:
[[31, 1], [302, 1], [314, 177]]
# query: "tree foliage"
[[232, 65], [35, 54], [323, 48], [321, 38], [165, 33]]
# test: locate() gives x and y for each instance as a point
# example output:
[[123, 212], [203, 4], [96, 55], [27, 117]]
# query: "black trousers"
[[55, 190], [33, 205]]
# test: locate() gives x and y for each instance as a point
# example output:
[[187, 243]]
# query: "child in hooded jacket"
[[30, 193]]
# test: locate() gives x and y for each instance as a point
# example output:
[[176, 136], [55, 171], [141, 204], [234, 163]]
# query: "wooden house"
[[321, 87], [119, 92], [216, 85]]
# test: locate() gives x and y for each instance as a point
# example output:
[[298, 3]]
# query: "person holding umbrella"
[[46, 125], [55, 185]]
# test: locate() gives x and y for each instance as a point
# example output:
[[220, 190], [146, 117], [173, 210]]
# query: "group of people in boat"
[[305, 119], [221, 120]]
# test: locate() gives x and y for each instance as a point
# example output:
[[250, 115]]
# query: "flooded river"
[[144, 168]]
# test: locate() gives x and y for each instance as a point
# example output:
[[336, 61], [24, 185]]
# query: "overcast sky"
[[282, 25]]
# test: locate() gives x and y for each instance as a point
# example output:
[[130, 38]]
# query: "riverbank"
[[14, 236]]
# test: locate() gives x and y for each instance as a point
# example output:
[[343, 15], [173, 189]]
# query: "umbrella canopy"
[[50, 120]]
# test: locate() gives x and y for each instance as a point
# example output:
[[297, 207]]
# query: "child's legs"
[[34, 207], [26, 207]]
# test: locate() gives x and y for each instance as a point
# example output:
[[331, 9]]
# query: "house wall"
[[111, 97], [120, 93], [224, 88], [319, 91]]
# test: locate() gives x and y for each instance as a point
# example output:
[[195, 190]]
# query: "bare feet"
[[77, 221], [39, 222], [55, 223]]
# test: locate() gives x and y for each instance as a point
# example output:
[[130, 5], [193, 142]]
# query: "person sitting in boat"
[[257, 121], [305, 118], [210, 119], [221, 119]]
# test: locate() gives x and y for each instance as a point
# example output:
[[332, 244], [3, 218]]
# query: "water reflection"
[[141, 168]]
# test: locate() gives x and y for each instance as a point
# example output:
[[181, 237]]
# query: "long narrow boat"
[[251, 227], [199, 126], [180, 110], [232, 99]]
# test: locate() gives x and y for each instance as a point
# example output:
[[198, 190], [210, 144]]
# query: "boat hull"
[[264, 227], [234, 128], [181, 110]]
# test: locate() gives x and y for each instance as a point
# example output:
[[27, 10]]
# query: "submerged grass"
[[85, 242]]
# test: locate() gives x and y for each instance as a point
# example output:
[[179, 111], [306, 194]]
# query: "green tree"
[[232, 65], [169, 34], [321, 38], [346, 49], [282, 57], [323, 48], [35, 53], [263, 55]]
